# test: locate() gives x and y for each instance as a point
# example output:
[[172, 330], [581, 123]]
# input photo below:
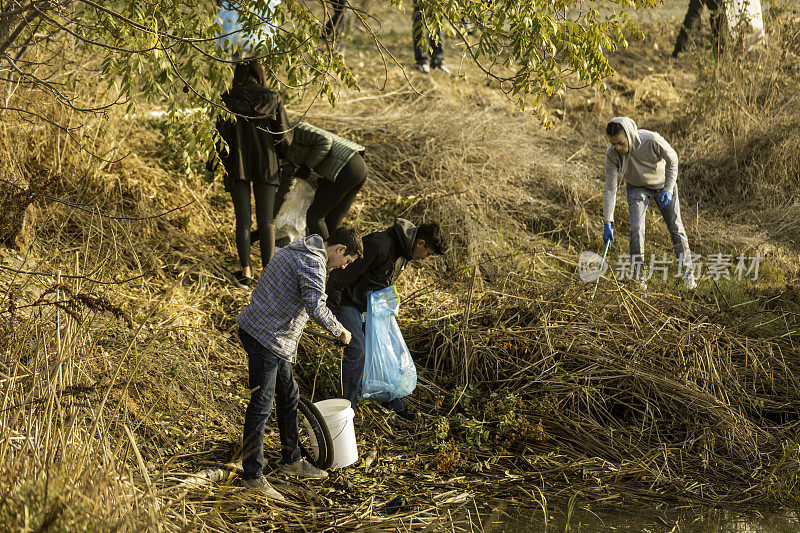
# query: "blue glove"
[[664, 198], [608, 233]]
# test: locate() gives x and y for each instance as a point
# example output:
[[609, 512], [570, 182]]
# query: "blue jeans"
[[353, 360], [638, 200], [267, 374]]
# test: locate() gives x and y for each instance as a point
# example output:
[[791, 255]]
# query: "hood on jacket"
[[313, 244], [406, 233], [630, 130], [251, 100]]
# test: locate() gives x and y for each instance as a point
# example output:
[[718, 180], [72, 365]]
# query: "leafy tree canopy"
[[167, 52]]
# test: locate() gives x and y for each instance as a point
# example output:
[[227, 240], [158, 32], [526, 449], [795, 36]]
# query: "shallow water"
[[632, 521]]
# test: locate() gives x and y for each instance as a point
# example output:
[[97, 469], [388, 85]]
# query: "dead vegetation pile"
[[671, 397]]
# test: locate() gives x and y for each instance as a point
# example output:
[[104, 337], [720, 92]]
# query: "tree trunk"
[[13, 20]]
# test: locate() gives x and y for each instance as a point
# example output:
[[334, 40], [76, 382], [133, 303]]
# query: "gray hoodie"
[[650, 162], [290, 289]]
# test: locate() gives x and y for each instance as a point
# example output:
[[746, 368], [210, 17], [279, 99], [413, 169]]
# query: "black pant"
[[333, 199], [421, 44], [268, 374], [692, 19], [337, 20], [265, 203]]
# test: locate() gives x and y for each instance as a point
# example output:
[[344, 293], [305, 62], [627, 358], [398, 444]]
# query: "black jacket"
[[255, 144], [386, 254]]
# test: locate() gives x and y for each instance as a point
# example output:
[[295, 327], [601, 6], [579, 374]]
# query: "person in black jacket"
[[256, 141], [386, 255], [335, 24]]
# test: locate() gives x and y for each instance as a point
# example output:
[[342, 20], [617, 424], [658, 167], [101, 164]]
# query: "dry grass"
[[657, 392], [115, 396], [742, 126]]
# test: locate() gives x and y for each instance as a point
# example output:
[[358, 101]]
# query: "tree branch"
[[86, 277]]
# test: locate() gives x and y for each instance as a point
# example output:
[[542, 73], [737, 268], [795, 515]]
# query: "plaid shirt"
[[290, 289]]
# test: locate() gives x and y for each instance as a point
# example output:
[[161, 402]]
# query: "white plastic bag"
[[291, 219]]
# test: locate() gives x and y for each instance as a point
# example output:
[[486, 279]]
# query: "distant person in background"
[[425, 40], [472, 27], [335, 24], [341, 170], [232, 38], [649, 166], [386, 255], [257, 139], [692, 19]]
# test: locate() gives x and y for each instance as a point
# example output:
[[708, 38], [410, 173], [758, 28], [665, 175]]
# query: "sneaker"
[[443, 68], [423, 67], [396, 504], [303, 469], [261, 483]]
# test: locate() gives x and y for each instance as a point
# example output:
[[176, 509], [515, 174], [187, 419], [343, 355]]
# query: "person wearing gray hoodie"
[[291, 289], [649, 166]]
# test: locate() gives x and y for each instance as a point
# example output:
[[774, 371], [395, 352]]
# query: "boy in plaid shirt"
[[291, 289]]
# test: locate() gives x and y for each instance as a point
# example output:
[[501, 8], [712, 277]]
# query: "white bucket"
[[338, 416]]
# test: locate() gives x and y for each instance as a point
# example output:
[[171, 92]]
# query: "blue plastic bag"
[[389, 371]]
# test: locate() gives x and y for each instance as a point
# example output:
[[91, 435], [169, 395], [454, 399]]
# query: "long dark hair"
[[249, 71]]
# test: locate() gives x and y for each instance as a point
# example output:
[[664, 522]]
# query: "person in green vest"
[[340, 169]]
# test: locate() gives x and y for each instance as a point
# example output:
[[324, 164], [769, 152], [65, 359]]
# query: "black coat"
[[259, 137], [386, 254]]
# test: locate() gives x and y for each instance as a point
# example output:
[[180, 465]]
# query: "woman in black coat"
[[258, 138]]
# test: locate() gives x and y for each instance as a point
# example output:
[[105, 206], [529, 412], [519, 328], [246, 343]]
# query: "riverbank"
[[532, 395]]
